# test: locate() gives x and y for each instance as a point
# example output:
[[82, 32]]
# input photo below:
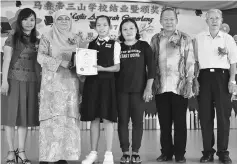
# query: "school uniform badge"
[[108, 45]]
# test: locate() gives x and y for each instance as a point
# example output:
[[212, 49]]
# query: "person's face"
[[63, 22], [169, 20], [214, 20], [102, 27], [129, 31], [28, 24]]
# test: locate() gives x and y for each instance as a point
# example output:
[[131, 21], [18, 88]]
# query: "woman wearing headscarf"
[[59, 134]]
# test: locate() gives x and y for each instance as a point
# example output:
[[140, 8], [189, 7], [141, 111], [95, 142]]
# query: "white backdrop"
[[84, 13]]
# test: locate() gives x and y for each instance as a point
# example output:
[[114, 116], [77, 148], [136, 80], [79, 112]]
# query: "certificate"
[[85, 61]]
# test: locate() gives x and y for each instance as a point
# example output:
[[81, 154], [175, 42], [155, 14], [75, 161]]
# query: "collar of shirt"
[[162, 33], [219, 34], [107, 38]]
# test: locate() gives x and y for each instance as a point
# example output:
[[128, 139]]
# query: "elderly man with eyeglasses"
[[217, 56]]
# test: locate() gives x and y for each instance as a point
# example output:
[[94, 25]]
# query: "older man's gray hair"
[[213, 10]]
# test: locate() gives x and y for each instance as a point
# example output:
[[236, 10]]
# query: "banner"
[[84, 13]]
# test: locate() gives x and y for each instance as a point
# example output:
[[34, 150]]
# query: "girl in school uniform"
[[134, 87], [20, 84], [99, 96]]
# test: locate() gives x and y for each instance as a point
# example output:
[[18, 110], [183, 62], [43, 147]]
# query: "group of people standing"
[[173, 68]]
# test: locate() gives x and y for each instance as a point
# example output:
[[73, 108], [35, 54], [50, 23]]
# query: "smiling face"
[[214, 20], [129, 31], [63, 22], [169, 20], [102, 27], [28, 24]]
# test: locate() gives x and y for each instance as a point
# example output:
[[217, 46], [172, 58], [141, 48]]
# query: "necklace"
[[131, 44]]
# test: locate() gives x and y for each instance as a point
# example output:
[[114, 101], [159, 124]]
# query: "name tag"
[[108, 45]]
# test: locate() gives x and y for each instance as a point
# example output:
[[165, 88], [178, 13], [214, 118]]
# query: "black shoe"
[[61, 162], [207, 158], [225, 159], [136, 159], [42, 162], [125, 159], [180, 159], [163, 158]]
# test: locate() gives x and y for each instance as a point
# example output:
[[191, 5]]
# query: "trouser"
[[171, 109], [214, 92], [130, 105]]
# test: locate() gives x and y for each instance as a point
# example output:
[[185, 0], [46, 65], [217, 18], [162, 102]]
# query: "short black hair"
[[121, 38], [168, 9], [103, 16]]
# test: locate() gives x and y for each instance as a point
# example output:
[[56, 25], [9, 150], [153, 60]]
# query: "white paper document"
[[86, 59]]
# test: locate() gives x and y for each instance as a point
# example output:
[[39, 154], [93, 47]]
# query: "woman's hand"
[[99, 68], [5, 88], [147, 95], [65, 64]]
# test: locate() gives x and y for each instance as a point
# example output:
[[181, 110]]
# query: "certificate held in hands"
[[86, 59]]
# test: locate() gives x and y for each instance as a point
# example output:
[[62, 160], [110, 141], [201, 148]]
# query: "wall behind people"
[[147, 16], [84, 13], [229, 17]]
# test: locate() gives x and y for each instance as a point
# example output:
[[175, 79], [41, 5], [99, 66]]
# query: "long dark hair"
[[18, 34], [121, 38]]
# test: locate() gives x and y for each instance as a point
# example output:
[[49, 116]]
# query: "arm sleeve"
[[9, 41], [44, 57], [232, 50], [190, 61], [117, 51], [149, 61]]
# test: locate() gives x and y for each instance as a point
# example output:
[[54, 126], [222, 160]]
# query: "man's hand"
[[188, 90], [231, 87]]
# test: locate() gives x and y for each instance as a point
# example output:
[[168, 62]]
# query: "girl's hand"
[[5, 88], [147, 95], [82, 78], [99, 68]]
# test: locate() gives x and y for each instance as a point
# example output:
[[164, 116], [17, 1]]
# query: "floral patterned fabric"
[[59, 106], [59, 139], [174, 58]]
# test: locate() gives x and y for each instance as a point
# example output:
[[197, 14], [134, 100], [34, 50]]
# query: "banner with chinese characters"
[[84, 13]]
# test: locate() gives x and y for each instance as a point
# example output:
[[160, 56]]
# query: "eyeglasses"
[[169, 19], [215, 18], [61, 19]]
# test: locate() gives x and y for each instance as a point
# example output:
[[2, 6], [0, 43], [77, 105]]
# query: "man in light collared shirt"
[[217, 56], [174, 60]]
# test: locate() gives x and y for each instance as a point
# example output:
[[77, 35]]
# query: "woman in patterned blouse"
[[20, 84], [59, 134]]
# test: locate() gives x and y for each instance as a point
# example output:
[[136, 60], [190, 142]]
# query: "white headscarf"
[[58, 37]]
